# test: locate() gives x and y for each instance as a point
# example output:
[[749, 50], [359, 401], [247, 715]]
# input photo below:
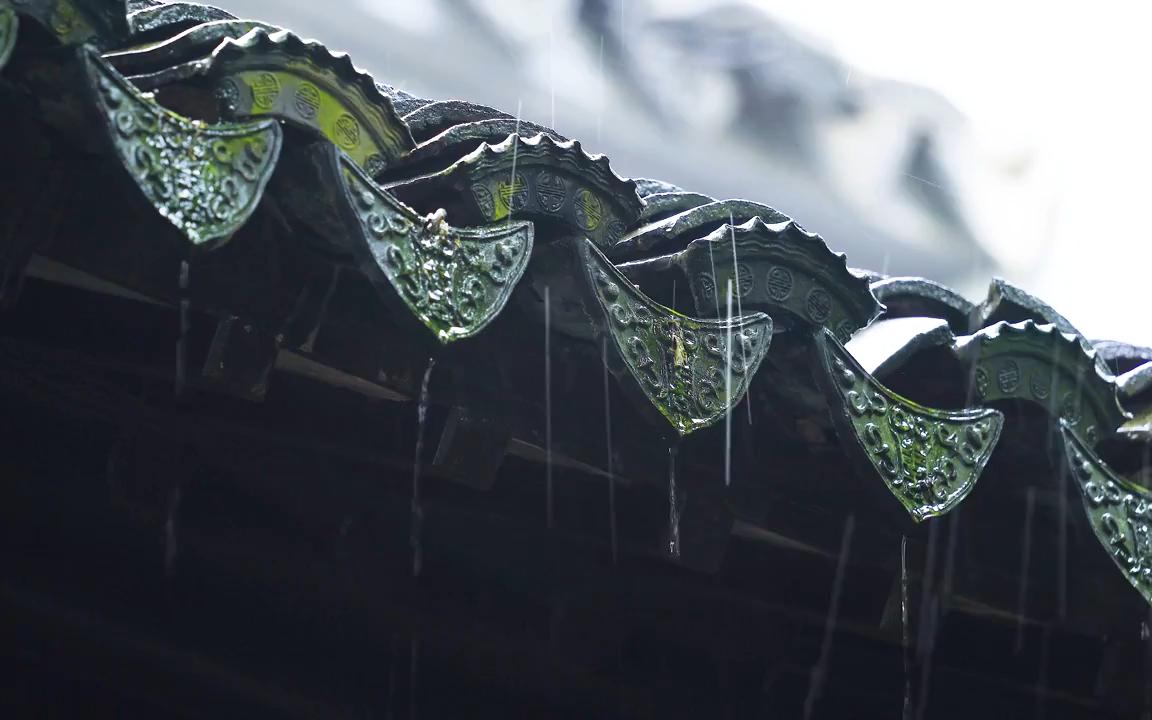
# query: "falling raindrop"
[[926, 631], [739, 303], [548, 405], [515, 151], [184, 320], [417, 508], [715, 285], [904, 631], [728, 396], [816, 680], [608, 442], [673, 506]]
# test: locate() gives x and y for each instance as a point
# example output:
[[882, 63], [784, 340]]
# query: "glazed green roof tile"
[[514, 243]]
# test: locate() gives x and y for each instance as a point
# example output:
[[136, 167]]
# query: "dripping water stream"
[[185, 322], [728, 396], [904, 631], [816, 679], [515, 151], [548, 407], [608, 442], [417, 542], [417, 508], [927, 625], [673, 506], [715, 285], [739, 303]]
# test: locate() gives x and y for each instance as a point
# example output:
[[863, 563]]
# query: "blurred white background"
[[1058, 100], [951, 140]]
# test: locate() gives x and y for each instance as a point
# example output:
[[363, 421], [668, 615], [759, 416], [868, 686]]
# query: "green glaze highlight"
[[1119, 511], [9, 27], [929, 459], [1039, 364], [554, 181], [204, 179], [680, 364], [454, 280]]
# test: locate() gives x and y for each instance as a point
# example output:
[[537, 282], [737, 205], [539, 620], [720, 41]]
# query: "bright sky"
[[1064, 82], [1060, 106]]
